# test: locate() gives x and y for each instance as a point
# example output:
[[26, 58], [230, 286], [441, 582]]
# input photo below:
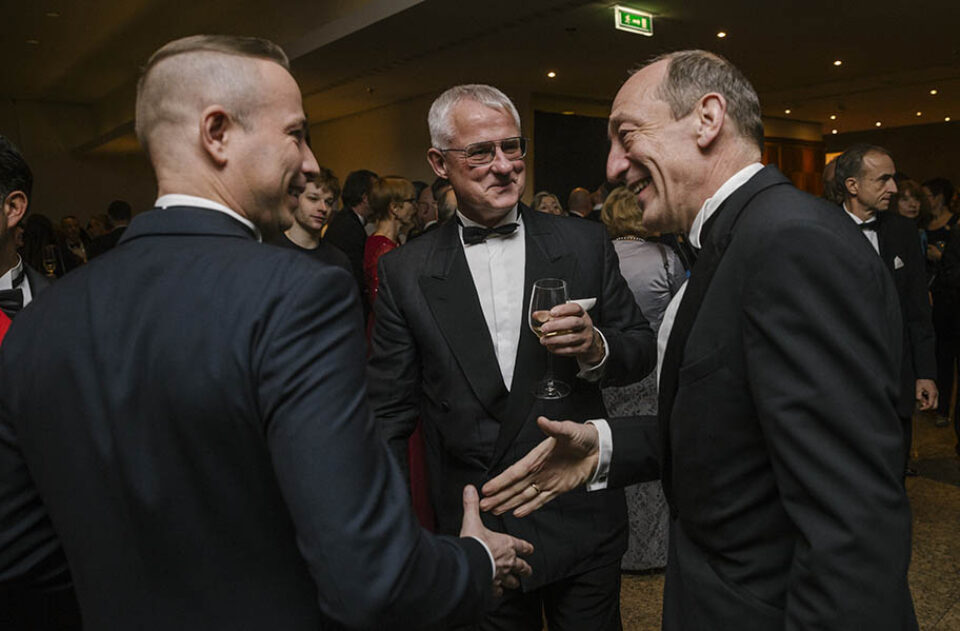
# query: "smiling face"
[[655, 156], [271, 161], [487, 192]]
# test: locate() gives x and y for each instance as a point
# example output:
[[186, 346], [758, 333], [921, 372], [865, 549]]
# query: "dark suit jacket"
[[105, 242], [898, 239], [346, 233], [781, 445], [208, 460], [433, 359]]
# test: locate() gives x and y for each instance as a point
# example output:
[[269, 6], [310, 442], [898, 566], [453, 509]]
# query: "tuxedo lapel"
[[38, 282], [546, 257], [452, 298], [717, 234]]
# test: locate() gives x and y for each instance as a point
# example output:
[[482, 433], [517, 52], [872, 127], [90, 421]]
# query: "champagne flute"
[[49, 257], [547, 293]]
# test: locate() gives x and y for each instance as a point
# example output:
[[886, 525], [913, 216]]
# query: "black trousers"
[[945, 325], [588, 601]]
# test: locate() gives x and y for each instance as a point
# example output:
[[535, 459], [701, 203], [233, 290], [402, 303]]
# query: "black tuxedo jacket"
[[346, 233], [899, 249], [781, 444], [208, 460], [433, 359]]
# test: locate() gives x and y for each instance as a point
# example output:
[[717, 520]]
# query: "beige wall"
[[66, 183]]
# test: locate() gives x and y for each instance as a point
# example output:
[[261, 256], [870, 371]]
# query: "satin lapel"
[[714, 245], [452, 298], [545, 258]]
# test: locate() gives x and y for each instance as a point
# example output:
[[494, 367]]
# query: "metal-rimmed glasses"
[[480, 153]]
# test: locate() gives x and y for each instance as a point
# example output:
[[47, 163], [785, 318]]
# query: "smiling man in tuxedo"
[[208, 459], [778, 440], [452, 347]]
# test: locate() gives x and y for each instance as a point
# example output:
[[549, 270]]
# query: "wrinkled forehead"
[[472, 121], [638, 93]]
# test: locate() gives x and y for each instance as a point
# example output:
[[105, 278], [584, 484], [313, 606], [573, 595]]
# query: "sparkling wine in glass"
[[49, 257], [547, 293]]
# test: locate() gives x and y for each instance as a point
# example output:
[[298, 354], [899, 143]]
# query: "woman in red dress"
[[393, 207]]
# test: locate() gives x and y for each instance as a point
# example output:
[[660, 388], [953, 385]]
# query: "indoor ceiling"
[[355, 55]]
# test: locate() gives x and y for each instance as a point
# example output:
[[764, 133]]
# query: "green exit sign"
[[634, 21]]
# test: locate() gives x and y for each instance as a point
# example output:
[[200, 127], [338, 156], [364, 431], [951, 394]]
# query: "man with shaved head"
[[186, 415]]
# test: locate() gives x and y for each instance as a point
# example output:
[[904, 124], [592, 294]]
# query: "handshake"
[[563, 461]]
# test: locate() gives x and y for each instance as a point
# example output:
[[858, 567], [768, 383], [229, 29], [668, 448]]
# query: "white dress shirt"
[[599, 479], [6, 281], [175, 199], [871, 235]]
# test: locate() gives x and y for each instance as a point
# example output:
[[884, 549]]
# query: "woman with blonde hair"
[[654, 274]]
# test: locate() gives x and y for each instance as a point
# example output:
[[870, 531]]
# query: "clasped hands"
[[568, 332], [563, 461]]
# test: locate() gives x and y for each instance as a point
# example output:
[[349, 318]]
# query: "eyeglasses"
[[480, 153]]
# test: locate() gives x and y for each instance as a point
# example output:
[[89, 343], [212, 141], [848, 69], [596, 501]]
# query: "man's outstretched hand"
[[506, 550], [564, 461]]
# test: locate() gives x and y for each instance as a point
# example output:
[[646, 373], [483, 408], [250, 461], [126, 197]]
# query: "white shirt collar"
[[176, 199], [6, 279], [856, 219], [711, 205]]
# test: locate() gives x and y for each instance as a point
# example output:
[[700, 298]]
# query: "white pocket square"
[[897, 262]]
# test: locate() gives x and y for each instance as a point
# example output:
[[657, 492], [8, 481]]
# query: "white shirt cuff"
[[593, 373], [493, 564], [598, 481]]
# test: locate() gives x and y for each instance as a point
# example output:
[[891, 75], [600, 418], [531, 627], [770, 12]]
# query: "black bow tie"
[[476, 234], [869, 225], [11, 300]]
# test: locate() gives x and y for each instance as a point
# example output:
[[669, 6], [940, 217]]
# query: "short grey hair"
[[693, 73], [441, 127]]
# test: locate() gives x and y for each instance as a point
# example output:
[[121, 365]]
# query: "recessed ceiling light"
[[722, 34], [837, 62], [33, 42], [919, 113], [878, 123], [552, 74], [53, 14], [833, 131], [833, 117], [786, 111], [933, 93], [946, 119]]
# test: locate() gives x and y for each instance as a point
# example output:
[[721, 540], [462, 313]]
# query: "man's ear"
[[437, 162], [217, 128], [711, 110], [852, 185], [14, 208]]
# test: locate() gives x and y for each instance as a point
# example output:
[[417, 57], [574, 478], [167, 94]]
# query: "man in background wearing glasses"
[[451, 347]]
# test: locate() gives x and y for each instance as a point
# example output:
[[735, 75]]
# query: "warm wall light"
[[833, 117], [722, 34], [837, 63], [833, 131], [933, 93], [568, 112], [552, 74], [878, 123], [786, 111], [919, 113], [946, 119]]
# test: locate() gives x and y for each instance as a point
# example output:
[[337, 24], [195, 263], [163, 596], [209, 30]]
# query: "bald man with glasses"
[[452, 347]]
